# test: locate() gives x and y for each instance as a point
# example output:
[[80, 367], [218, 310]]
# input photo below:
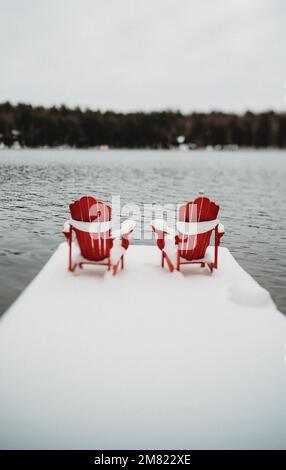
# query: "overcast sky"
[[144, 54]]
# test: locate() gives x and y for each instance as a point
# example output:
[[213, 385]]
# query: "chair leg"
[[120, 262], [211, 267], [115, 268], [70, 268], [217, 244], [178, 261], [170, 265]]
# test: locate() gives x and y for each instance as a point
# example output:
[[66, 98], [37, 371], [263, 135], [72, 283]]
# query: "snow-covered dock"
[[146, 359]]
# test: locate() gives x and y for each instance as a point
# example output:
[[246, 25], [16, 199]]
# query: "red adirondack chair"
[[197, 220], [98, 244]]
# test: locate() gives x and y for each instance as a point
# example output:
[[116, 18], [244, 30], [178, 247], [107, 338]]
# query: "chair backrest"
[[93, 246], [200, 210]]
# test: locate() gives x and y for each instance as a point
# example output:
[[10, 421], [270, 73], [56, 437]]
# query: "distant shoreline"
[[215, 149], [23, 125]]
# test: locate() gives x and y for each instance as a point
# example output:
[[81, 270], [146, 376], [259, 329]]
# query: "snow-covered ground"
[[146, 359]]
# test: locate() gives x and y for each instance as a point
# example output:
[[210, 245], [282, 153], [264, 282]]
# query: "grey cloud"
[[130, 54]]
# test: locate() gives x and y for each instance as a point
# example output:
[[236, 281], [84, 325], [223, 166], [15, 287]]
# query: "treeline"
[[30, 126]]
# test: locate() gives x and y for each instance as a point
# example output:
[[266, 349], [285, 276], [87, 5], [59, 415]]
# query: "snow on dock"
[[146, 359]]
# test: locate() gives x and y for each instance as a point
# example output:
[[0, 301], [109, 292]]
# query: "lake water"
[[36, 187]]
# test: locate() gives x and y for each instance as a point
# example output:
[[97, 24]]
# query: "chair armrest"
[[66, 226], [160, 227], [67, 230], [163, 232], [126, 229], [220, 229]]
